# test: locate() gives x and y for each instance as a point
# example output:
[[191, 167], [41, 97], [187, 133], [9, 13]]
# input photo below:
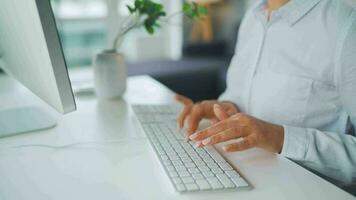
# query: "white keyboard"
[[190, 169]]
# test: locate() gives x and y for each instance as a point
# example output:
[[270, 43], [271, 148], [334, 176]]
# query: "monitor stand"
[[23, 120]]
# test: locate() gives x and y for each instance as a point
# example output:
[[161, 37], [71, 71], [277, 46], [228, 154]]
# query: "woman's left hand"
[[253, 133]]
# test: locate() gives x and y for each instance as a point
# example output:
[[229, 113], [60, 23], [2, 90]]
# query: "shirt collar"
[[293, 11]]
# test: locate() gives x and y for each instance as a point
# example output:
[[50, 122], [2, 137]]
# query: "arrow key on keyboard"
[[215, 183], [203, 184]]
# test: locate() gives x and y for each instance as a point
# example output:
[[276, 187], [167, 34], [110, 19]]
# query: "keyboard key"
[[215, 183], [225, 181], [217, 171], [180, 168], [192, 187], [173, 157], [177, 163], [203, 168], [208, 174], [181, 188], [239, 182], [199, 162], [193, 170], [177, 180], [189, 165], [203, 184], [213, 166], [208, 160], [173, 174], [225, 166], [167, 162], [161, 152], [170, 168], [183, 173], [187, 180], [187, 159], [195, 156], [214, 154], [197, 176], [164, 157], [180, 136], [232, 174], [183, 154]]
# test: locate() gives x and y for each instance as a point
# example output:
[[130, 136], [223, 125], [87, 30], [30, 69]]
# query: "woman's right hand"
[[193, 113]]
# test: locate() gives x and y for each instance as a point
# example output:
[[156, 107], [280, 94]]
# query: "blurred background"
[[190, 57]]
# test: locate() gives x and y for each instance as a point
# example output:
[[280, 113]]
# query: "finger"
[[230, 107], [231, 111], [219, 127], [196, 115], [183, 115], [244, 144], [220, 113], [229, 134], [214, 121], [184, 100]]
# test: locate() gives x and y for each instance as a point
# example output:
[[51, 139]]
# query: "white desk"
[[127, 169]]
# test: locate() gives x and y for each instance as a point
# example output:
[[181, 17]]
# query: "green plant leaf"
[[138, 4], [131, 9], [202, 10], [151, 12], [149, 27], [187, 8], [194, 11]]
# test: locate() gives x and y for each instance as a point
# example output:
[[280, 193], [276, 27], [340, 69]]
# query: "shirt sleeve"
[[331, 154]]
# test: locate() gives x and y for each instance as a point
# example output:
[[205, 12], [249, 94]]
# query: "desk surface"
[[123, 165]]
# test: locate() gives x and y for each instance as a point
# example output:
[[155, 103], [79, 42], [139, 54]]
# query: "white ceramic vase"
[[110, 74]]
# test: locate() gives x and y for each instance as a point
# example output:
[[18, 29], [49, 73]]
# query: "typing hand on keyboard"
[[252, 131], [195, 112]]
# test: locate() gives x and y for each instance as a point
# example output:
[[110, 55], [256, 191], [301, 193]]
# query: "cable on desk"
[[68, 146]]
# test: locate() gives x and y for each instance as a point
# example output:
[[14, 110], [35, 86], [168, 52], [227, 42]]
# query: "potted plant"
[[109, 68]]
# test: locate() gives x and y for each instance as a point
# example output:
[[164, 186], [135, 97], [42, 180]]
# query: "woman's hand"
[[252, 132], [195, 112]]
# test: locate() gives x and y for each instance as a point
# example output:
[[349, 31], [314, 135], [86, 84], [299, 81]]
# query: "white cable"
[[79, 144]]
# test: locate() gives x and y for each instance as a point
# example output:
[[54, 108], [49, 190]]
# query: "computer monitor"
[[31, 52]]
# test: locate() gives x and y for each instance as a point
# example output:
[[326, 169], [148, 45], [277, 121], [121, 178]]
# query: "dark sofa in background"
[[200, 74], [196, 78]]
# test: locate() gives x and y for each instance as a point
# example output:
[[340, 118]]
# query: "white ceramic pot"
[[110, 74]]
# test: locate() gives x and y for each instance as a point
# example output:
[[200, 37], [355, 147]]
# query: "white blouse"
[[298, 69]]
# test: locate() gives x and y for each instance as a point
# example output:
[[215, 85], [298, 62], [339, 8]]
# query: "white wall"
[[174, 31], [249, 3], [113, 20]]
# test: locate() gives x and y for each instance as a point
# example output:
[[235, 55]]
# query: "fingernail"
[[206, 141], [186, 139], [225, 148], [193, 136], [198, 144]]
